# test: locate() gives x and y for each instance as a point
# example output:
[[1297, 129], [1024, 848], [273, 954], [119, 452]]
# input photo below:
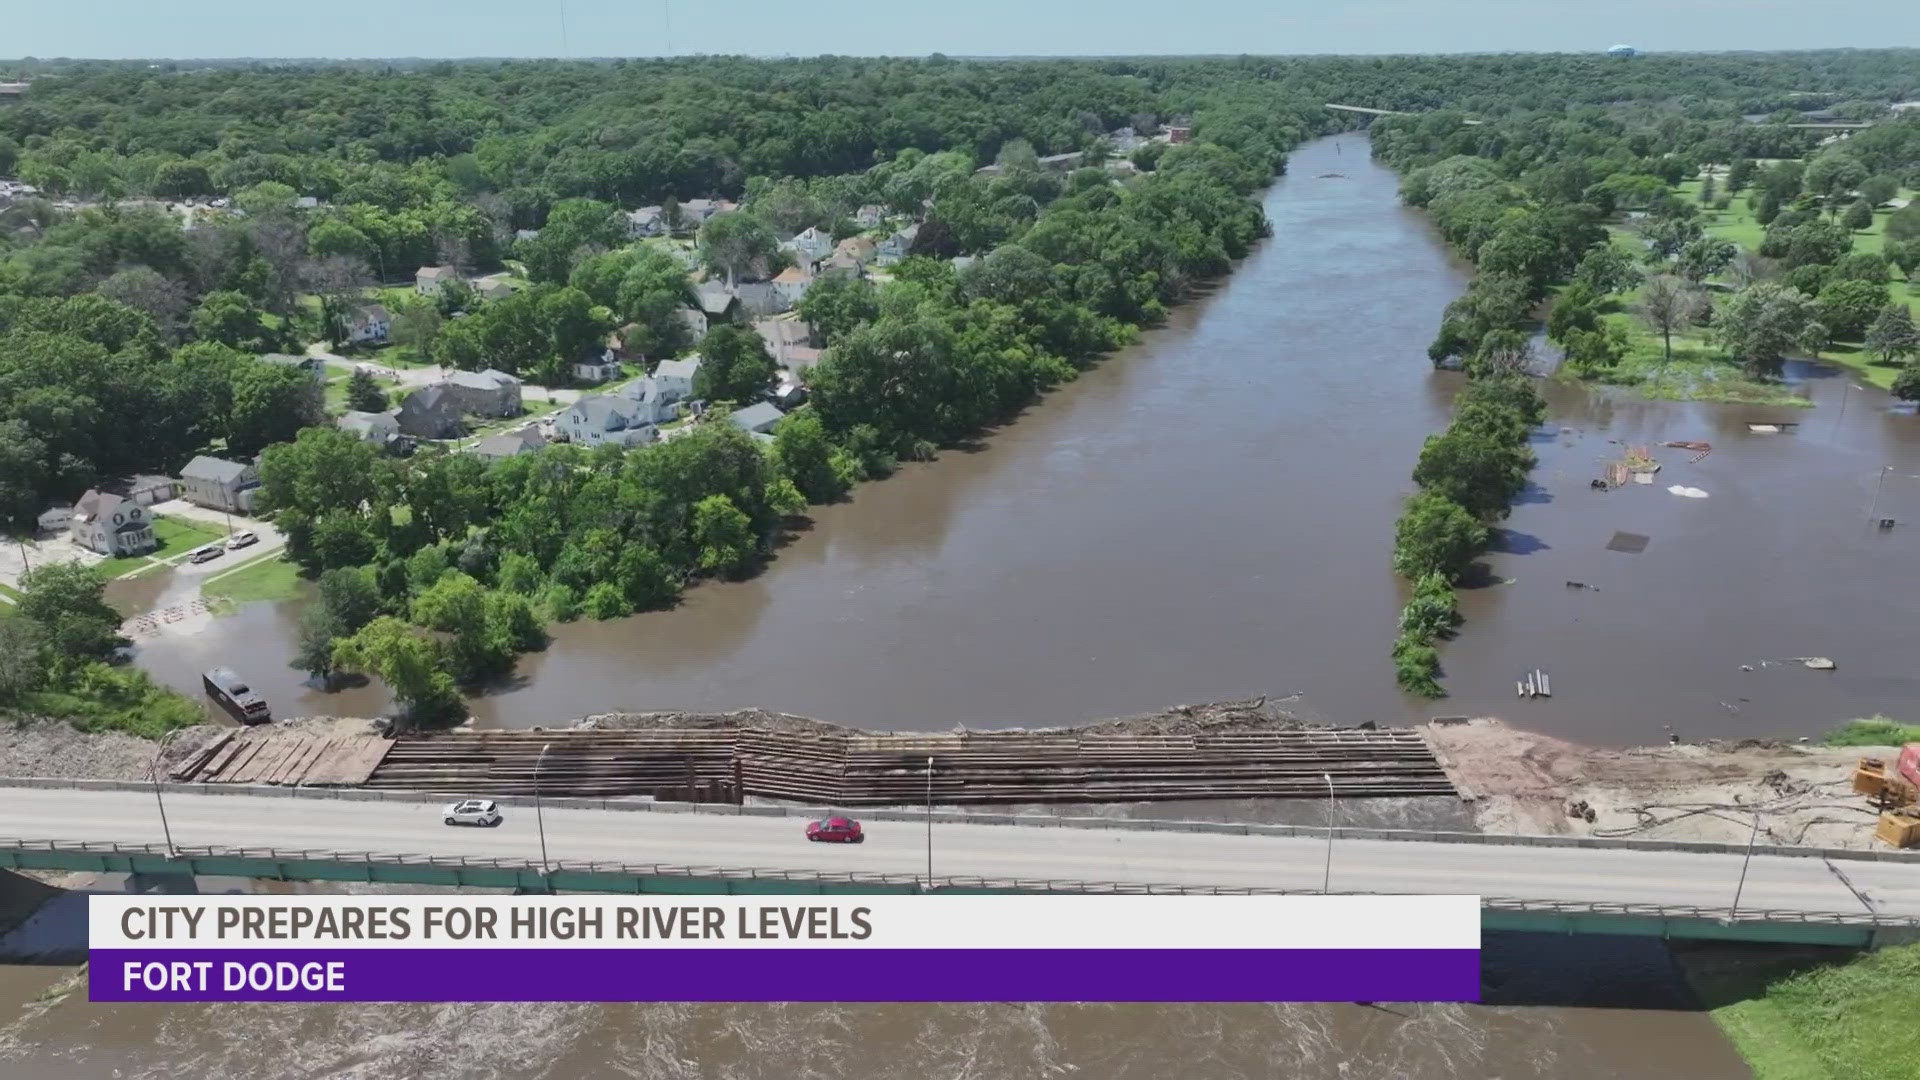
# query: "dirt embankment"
[[1253, 714], [1530, 783]]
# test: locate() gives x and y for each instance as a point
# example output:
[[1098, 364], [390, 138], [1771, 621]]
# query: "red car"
[[835, 830]]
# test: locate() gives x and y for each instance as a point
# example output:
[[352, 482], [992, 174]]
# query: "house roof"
[[606, 412], [435, 273], [792, 275], [372, 313], [857, 246], [97, 504], [777, 332], [714, 297], [429, 399], [285, 359], [756, 415], [490, 379], [368, 423], [218, 470], [509, 443], [677, 369]]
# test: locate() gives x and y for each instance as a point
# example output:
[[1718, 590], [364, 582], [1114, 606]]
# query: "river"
[[1208, 514]]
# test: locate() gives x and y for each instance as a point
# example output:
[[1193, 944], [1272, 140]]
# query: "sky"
[[184, 29]]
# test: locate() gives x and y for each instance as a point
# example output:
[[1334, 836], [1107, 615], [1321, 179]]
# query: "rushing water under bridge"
[[1540, 883]]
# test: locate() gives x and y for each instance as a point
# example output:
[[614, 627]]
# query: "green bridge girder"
[[1504, 915]]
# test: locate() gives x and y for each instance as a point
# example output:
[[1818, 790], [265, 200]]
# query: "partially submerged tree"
[[1667, 305]]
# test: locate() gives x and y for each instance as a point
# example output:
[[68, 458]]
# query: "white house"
[[377, 428], [653, 402], [596, 365], [895, 247], [112, 525], [429, 280], [870, 216], [791, 284], [675, 377], [696, 322], [219, 484], [369, 324], [646, 221], [810, 246], [312, 365], [605, 419]]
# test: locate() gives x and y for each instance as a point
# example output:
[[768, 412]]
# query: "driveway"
[[414, 378], [271, 539]]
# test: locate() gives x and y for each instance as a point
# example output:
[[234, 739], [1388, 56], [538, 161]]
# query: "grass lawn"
[[1830, 1022], [271, 578], [9, 592], [177, 536]]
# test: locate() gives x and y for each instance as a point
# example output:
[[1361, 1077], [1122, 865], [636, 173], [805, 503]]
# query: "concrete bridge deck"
[[613, 850]]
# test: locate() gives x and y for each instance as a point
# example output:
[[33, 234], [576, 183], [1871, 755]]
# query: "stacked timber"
[[270, 755], [596, 764], [1021, 767]]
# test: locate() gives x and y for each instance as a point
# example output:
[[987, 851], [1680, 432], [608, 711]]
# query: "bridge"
[[1364, 111], [1528, 883]]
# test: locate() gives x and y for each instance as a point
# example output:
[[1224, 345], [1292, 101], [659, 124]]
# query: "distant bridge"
[[1364, 111]]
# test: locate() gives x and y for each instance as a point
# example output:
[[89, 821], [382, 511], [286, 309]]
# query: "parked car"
[[207, 554], [835, 830], [480, 812], [235, 696], [241, 539]]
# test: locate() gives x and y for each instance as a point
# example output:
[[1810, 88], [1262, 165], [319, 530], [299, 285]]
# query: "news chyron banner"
[[1055, 948]]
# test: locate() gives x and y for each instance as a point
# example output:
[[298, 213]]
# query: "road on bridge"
[[1785, 883]]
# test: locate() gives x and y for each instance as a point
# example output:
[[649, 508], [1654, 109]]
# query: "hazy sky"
[[436, 28]]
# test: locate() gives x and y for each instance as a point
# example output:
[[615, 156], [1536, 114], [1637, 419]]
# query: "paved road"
[[1778, 882]]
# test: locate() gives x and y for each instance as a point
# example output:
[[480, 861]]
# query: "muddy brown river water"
[[1209, 514]]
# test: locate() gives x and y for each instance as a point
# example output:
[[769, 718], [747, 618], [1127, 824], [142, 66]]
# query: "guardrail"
[[961, 817], [582, 874]]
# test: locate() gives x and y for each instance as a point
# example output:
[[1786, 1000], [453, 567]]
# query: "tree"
[[1906, 385], [314, 652], [837, 306], [340, 282], [1480, 473], [1859, 215], [322, 469], [1707, 190], [271, 403], [1740, 173], [1892, 336], [724, 535], [1667, 305], [1761, 324], [1606, 269], [146, 290], [1435, 535], [1705, 257], [232, 319], [731, 243], [1849, 307], [573, 327], [805, 456], [734, 365], [416, 326], [350, 597], [1879, 189], [364, 394], [22, 668], [408, 663], [67, 602]]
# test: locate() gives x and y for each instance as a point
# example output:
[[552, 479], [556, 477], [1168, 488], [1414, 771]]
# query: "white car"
[[473, 812]]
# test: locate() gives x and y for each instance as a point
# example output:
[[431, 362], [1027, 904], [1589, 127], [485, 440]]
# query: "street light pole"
[[929, 822], [1733, 911], [1877, 486], [540, 818], [153, 773], [1326, 881]]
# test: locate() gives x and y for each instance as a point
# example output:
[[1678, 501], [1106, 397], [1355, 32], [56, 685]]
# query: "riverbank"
[[1809, 1014]]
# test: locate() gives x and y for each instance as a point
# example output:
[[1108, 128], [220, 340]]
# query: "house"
[[757, 418], [307, 202], [791, 284], [488, 393], [510, 443], [377, 428], [695, 212], [961, 263], [810, 246], [870, 216], [430, 412], [145, 489], [782, 335], [526, 234], [856, 247], [495, 289], [800, 357], [1179, 133], [788, 392], [675, 377], [696, 321], [429, 280], [1066, 162], [646, 221], [606, 419], [53, 519], [1124, 140], [717, 301], [219, 484], [759, 299], [597, 365], [897, 246], [369, 324], [312, 365], [112, 524], [652, 401]]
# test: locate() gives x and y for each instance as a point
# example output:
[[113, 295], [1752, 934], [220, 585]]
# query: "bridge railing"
[[533, 870]]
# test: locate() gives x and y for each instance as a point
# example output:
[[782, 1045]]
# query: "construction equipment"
[[1901, 828]]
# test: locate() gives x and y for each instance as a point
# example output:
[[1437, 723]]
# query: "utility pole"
[[1844, 394], [540, 818], [1733, 911], [1878, 484], [929, 822], [153, 773], [1326, 881]]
